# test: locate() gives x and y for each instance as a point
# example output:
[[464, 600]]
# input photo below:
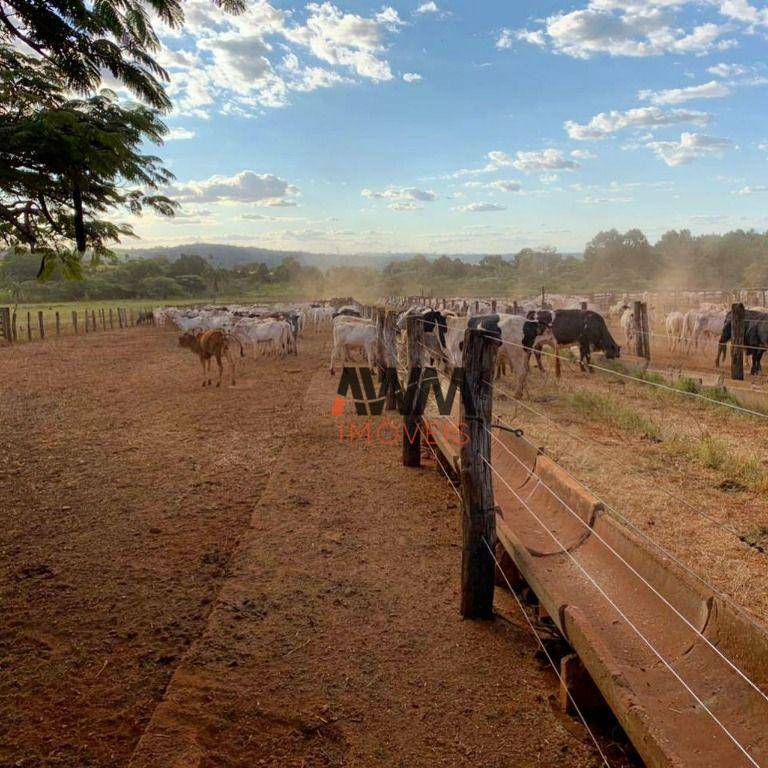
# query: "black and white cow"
[[578, 326]]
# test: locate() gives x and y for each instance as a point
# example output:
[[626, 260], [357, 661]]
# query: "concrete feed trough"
[[638, 621]]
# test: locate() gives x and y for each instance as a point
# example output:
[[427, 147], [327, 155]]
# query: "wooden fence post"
[[74, 320], [584, 306], [41, 323], [103, 317], [412, 417], [390, 352], [131, 311], [29, 326], [5, 321], [93, 320], [119, 317], [479, 518], [738, 329], [645, 331], [638, 330], [58, 324], [14, 327], [111, 319]]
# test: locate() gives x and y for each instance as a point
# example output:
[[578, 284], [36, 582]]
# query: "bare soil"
[[207, 577]]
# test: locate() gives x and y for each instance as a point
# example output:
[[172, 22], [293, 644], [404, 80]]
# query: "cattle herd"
[[524, 327]]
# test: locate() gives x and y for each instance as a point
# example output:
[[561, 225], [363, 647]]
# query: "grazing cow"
[[578, 326], [675, 325], [210, 344], [351, 333], [755, 338]]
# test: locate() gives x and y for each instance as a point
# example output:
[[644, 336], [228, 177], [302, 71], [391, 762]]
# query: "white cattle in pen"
[[675, 325], [265, 336], [353, 333]]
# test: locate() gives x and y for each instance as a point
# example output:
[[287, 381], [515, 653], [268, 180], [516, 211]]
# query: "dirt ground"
[[203, 577]]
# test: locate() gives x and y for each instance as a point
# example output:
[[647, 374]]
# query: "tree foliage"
[[64, 163]]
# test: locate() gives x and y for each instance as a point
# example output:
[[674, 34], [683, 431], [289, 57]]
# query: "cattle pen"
[[272, 580], [683, 666]]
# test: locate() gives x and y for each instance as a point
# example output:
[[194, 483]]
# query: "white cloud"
[[405, 206], [412, 77], [754, 190], [583, 154], [480, 208], [429, 7], [244, 187], [741, 10], [623, 28], [504, 40], [401, 193], [179, 134], [690, 147], [711, 90], [605, 200], [544, 160], [257, 59], [607, 123], [727, 70], [505, 185]]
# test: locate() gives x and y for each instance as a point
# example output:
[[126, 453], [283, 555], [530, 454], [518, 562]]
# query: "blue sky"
[[450, 127]]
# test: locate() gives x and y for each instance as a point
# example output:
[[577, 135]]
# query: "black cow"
[[578, 326], [755, 338]]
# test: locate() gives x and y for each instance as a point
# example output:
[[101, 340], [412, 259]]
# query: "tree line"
[[611, 261]]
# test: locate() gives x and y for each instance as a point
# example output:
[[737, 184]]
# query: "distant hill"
[[232, 255]]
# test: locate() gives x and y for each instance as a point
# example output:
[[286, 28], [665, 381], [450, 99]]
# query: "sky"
[[449, 126]]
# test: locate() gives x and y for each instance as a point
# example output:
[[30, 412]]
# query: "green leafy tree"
[[64, 163], [82, 38]]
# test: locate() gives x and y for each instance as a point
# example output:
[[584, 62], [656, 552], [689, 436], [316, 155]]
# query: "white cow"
[[266, 336], [351, 333], [708, 325], [675, 325]]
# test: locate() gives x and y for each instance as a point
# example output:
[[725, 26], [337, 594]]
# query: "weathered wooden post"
[[515, 308], [478, 520], [14, 327], [111, 320], [93, 320], [29, 326], [543, 296], [638, 330], [58, 324], [41, 323], [74, 320], [103, 317], [738, 330], [390, 350], [120, 317], [493, 306], [412, 417], [584, 306], [131, 311], [5, 316]]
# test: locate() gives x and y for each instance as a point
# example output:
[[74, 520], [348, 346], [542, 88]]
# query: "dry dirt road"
[[202, 577]]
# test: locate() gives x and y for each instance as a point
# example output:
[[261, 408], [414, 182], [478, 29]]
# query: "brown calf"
[[208, 345]]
